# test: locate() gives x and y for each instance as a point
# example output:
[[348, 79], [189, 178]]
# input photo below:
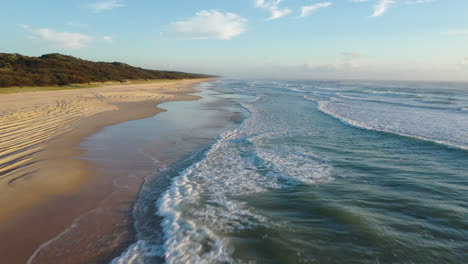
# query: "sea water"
[[318, 172]]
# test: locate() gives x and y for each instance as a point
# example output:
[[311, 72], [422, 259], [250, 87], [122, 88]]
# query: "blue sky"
[[357, 39]]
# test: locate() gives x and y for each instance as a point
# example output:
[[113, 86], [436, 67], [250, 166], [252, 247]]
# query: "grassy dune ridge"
[[52, 70]]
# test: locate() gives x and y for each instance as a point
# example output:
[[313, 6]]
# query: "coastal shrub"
[[57, 69]]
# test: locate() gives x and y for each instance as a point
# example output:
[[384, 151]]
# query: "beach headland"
[[46, 182]]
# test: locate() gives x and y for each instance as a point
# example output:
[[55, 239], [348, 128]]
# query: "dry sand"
[[45, 188]]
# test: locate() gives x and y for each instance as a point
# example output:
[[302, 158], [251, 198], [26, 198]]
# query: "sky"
[[294, 39]]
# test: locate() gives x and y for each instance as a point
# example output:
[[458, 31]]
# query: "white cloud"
[[66, 40], [307, 10], [108, 39], [273, 7], [209, 24], [105, 5], [382, 7]]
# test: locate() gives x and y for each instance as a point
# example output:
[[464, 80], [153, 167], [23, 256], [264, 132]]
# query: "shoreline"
[[43, 170]]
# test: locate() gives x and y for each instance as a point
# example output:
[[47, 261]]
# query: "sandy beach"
[[46, 184]]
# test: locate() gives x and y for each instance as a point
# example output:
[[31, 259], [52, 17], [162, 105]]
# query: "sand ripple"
[[31, 123]]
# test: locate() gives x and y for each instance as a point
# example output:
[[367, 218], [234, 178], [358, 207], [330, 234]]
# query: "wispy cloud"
[[62, 39], [347, 62], [456, 32], [307, 10], [78, 25], [209, 24], [416, 2], [273, 7], [351, 55], [382, 7], [350, 60], [464, 63], [105, 5], [66, 40], [108, 39]]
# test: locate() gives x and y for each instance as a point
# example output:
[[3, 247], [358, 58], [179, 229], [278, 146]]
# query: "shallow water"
[[318, 172]]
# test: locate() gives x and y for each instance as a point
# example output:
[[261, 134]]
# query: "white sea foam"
[[342, 95], [293, 165], [204, 202], [295, 89], [197, 206], [423, 124], [212, 199], [137, 253], [409, 117]]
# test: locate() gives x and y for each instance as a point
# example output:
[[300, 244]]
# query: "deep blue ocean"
[[317, 172]]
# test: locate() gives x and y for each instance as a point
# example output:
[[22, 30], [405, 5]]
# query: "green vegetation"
[[58, 72]]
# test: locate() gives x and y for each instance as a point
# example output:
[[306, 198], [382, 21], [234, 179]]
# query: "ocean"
[[315, 172]]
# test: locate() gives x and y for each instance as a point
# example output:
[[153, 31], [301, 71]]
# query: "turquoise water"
[[318, 172]]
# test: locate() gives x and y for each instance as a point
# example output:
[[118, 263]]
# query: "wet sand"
[[47, 185]]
